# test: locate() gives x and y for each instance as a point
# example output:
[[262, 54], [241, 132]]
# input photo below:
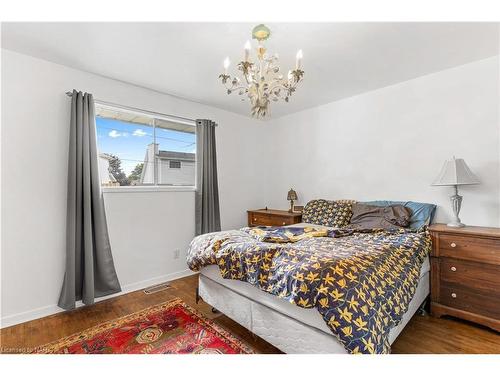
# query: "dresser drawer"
[[465, 273], [470, 300], [485, 278], [470, 248]]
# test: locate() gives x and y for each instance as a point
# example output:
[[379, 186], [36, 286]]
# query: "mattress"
[[310, 317]]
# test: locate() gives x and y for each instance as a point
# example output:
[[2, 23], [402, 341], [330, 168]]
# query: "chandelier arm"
[[249, 82], [235, 88], [278, 84], [230, 86]]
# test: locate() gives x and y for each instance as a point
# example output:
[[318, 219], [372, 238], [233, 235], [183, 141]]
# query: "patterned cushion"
[[329, 213]]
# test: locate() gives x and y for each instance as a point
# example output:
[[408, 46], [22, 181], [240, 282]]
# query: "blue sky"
[[129, 141]]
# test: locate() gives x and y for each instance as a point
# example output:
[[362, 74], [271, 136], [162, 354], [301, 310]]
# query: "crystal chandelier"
[[262, 81]]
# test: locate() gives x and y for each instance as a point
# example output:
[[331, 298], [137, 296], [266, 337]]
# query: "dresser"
[[465, 273], [275, 218]]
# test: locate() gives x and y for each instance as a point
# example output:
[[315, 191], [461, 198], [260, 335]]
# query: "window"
[[138, 148], [175, 164]]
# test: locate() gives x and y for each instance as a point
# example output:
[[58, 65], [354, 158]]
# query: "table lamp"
[[291, 196], [454, 173]]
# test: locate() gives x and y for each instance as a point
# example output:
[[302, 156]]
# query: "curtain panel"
[[90, 270], [207, 190]]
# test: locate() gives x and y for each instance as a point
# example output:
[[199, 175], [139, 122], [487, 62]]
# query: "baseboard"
[[147, 283], [42, 312]]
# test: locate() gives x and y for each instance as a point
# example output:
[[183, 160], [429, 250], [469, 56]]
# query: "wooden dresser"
[[465, 273], [275, 218]]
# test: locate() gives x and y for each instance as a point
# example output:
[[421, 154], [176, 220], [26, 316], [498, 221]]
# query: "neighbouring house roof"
[[186, 156]]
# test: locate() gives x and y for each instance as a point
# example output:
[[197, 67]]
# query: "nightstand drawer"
[[273, 218], [469, 300], [470, 248], [268, 220], [485, 278]]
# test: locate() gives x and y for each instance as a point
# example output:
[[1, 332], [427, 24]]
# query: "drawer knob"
[[453, 295], [453, 244], [453, 269], [284, 223], [254, 219]]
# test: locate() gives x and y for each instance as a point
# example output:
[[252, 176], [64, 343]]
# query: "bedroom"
[[321, 214]]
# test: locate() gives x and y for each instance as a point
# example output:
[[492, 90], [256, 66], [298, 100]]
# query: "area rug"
[[169, 328]]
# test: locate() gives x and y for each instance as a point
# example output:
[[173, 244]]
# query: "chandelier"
[[261, 79]]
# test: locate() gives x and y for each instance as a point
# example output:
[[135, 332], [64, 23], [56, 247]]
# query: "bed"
[[280, 320]]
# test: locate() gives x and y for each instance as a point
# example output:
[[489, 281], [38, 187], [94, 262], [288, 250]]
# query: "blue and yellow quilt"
[[361, 282]]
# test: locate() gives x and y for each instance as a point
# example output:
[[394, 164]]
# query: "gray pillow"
[[421, 213], [366, 216]]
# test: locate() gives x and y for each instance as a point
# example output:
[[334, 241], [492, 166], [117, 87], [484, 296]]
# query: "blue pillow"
[[421, 213]]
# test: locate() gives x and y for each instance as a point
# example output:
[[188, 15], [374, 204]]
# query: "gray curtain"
[[90, 271], [207, 190]]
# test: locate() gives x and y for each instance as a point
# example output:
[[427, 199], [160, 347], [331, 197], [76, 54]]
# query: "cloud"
[[139, 133], [115, 134]]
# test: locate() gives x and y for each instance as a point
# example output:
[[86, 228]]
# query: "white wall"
[[145, 228], [391, 144]]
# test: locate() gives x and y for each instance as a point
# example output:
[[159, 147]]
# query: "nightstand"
[[275, 218], [465, 273]]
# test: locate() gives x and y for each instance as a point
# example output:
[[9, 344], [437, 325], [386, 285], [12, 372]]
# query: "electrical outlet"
[[177, 254]]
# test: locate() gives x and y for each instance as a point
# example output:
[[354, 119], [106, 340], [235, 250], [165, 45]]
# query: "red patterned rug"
[[169, 328]]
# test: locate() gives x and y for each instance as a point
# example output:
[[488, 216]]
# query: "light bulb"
[[227, 62], [298, 63], [248, 47]]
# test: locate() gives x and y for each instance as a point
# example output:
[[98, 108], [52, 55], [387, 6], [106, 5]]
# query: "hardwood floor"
[[423, 334]]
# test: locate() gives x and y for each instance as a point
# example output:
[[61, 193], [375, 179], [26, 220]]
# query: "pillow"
[[327, 213], [365, 216], [422, 213]]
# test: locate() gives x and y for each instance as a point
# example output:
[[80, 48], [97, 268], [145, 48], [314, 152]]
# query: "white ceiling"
[[185, 59]]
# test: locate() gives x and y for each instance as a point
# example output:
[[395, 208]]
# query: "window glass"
[[137, 149]]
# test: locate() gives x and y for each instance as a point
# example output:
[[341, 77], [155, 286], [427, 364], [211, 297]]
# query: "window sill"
[[147, 189]]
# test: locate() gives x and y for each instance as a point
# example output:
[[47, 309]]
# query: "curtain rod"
[[157, 114]]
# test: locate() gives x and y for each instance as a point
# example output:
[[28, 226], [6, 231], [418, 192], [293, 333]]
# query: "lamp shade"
[[292, 195], [455, 172]]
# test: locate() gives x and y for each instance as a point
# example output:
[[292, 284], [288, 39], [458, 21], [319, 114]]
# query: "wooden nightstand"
[[465, 273], [275, 218]]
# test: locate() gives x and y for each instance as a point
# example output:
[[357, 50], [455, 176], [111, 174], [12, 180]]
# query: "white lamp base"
[[456, 203], [456, 225]]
